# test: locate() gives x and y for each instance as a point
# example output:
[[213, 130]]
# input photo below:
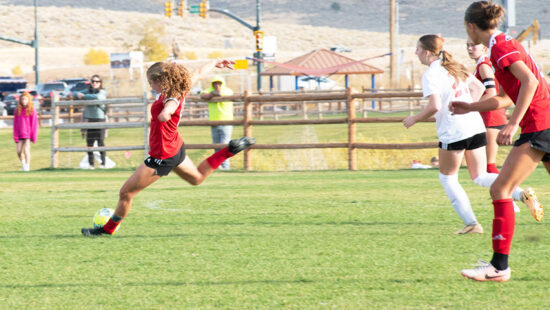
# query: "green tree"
[[96, 57], [17, 70], [150, 45]]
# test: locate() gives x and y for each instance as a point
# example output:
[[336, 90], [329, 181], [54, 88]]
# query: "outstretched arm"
[[434, 104], [499, 101], [204, 70]]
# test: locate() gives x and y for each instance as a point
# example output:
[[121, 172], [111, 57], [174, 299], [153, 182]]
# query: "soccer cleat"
[[90, 232], [237, 145], [470, 229], [530, 200], [486, 272]]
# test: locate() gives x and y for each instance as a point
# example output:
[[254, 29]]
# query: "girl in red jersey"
[[167, 150], [522, 84], [494, 120]]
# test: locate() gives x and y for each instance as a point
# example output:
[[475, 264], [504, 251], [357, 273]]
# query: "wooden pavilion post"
[[352, 152]]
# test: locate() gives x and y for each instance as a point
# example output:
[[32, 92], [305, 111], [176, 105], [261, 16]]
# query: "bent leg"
[[192, 174], [491, 149], [142, 177]]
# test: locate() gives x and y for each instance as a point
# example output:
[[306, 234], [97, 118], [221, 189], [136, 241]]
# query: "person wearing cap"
[[219, 111]]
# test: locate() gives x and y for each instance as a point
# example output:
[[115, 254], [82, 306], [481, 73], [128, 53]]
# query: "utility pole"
[[257, 54], [392, 43], [33, 43]]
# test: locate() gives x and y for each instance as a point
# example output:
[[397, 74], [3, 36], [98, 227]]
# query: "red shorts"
[[494, 118]]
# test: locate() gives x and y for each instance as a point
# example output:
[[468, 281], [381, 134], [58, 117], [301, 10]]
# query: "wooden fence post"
[[247, 128], [54, 110], [352, 152]]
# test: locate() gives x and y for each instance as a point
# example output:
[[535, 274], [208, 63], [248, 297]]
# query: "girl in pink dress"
[[25, 129]]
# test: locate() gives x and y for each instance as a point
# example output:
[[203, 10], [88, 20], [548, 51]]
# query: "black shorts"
[[164, 166], [470, 143], [539, 140], [499, 127]]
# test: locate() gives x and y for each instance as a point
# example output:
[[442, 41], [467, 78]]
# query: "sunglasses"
[[96, 81]]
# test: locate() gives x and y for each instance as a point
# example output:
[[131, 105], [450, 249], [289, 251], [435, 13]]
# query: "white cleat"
[[486, 272], [530, 200]]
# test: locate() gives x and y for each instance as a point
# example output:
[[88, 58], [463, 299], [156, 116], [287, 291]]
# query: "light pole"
[[35, 45]]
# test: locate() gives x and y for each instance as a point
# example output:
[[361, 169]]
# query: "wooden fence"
[[249, 102]]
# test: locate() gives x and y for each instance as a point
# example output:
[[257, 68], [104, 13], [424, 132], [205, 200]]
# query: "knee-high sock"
[[503, 225], [458, 198], [487, 179], [219, 157]]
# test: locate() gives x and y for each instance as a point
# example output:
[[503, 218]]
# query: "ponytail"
[[434, 44]]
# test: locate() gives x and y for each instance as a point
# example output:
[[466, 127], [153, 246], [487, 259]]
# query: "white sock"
[[458, 198], [487, 179], [23, 161]]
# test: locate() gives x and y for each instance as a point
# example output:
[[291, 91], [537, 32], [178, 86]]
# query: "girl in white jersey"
[[460, 136]]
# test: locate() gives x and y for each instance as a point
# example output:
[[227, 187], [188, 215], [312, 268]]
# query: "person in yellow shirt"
[[219, 111]]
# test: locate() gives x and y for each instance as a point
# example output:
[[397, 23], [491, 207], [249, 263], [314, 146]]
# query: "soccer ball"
[[102, 216]]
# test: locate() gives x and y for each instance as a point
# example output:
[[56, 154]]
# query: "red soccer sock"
[[492, 168], [219, 157], [111, 226], [503, 225]]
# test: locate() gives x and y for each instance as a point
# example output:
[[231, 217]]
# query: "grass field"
[[259, 240]]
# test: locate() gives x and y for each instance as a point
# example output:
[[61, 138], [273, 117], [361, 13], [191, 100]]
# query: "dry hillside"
[[67, 32]]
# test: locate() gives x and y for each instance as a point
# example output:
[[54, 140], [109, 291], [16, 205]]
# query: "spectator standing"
[[25, 129], [219, 111], [94, 113]]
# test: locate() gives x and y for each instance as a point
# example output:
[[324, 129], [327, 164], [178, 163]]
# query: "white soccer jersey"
[[450, 128]]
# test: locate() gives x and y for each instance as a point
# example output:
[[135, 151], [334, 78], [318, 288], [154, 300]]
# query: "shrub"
[[215, 54], [191, 55], [150, 46], [17, 70], [96, 57]]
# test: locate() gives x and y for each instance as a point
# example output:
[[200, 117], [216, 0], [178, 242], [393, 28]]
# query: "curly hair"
[[434, 44], [175, 80], [30, 106]]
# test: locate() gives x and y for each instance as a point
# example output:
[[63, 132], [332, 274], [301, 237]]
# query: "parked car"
[[73, 81], [3, 111], [80, 86], [316, 83], [47, 90], [340, 49], [11, 102]]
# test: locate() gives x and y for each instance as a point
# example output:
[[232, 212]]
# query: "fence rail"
[[249, 103]]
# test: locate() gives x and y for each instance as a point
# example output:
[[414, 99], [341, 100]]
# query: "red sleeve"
[[504, 56]]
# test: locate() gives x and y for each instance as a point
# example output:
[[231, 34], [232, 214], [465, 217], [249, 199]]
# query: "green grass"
[[259, 240]]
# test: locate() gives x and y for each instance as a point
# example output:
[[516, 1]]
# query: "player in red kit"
[[167, 150], [494, 120], [522, 84]]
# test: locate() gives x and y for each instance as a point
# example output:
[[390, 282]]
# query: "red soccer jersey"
[[495, 117], [164, 139], [504, 52]]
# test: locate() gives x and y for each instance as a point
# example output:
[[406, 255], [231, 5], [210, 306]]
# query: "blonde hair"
[[484, 14], [175, 80], [434, 44], [30, 105]]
